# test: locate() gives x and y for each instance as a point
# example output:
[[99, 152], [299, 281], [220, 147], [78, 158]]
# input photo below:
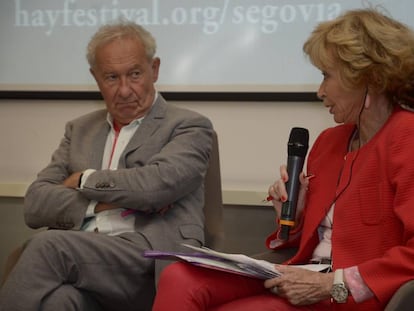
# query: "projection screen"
[[204, 46]]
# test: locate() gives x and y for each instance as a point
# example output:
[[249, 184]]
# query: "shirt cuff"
[[90, 211], [84, 177], [356, 285]]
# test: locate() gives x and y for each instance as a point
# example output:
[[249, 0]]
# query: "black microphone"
[[297, 148]]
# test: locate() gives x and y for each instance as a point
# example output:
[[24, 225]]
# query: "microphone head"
[[298, 142]]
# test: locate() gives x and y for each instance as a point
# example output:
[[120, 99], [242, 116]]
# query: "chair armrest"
[[279, 256], [10, 263], [403, 298]]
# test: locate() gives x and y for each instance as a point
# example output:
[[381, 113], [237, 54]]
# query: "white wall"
[[252, 138]]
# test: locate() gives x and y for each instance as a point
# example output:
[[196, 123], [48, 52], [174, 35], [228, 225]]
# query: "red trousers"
[[184, 287]]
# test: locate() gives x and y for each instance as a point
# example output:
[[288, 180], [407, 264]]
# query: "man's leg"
[[110, 269], [66, 297]]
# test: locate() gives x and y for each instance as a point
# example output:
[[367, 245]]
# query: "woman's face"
[[344, 104]]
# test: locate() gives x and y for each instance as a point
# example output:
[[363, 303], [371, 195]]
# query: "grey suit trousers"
[[79, 266]]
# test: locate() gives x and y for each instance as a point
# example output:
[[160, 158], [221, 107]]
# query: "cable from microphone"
[[297, 148]]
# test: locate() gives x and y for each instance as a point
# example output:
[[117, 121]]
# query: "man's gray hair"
[[120, 29]]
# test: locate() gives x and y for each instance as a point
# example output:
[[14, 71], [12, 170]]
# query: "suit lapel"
[[149, 125], [98, 145]]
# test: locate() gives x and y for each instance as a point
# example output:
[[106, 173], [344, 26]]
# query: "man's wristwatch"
[[339, 292]]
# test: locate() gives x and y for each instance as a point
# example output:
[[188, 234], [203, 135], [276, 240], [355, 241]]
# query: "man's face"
[[126, 77]]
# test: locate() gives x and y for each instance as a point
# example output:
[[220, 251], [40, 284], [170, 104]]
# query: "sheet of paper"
[[233, 263]]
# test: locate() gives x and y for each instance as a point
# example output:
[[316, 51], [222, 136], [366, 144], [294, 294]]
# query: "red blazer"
[[373, 191]]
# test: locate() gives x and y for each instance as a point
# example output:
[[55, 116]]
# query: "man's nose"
[[124, 87]]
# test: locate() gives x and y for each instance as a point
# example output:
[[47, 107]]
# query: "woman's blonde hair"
[[368, 48], [120, 29]]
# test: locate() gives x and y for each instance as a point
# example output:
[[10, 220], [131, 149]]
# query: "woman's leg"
[[188, 288], [268, 302]]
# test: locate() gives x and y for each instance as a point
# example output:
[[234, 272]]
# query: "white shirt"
[[111, 222], [324, 248]]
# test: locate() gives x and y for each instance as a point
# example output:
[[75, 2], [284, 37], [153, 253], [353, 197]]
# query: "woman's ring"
[[274, 290]]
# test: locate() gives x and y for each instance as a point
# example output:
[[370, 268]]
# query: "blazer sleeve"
[[169, 167], [385, 274], [47, 202]]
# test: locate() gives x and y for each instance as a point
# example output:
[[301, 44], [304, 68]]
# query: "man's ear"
[[156, 62], [92, 73]]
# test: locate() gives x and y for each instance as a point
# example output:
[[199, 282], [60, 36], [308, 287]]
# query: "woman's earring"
[[366, 103]]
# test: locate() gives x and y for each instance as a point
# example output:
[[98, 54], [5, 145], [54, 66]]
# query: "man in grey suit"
[[123, 180]]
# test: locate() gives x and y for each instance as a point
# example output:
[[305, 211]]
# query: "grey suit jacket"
[[164, 164]]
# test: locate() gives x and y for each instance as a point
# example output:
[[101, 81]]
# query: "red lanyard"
[[117, 129]]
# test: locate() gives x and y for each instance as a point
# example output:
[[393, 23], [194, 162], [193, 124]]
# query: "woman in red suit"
[[356, 205]]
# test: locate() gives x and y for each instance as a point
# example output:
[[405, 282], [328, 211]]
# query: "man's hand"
[[301, 286], [104, 207], [73, 180]]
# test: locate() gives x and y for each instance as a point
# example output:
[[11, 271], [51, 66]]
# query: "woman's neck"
[[372, 119]]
